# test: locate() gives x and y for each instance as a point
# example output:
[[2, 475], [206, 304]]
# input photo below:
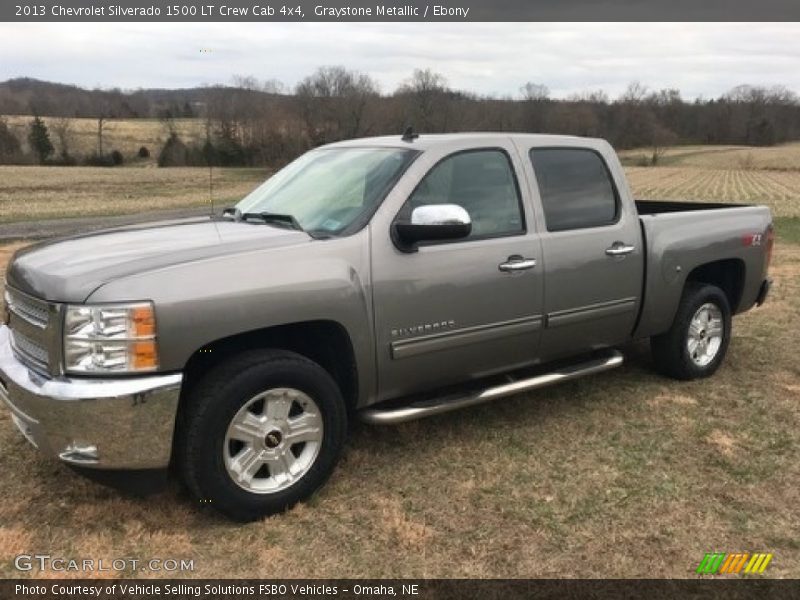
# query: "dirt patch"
[[724, 442], [674, 399]]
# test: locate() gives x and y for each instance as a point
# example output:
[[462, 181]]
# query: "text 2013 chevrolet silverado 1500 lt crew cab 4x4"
[[390, 278]]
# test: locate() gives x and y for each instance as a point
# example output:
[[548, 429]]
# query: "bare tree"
[[535, 98], [333, 103], [101, 120], [272, 86], [534, 92], [597, 97], [63, 129], [168, 125], [635, 93], [428, 98], [661, 138]]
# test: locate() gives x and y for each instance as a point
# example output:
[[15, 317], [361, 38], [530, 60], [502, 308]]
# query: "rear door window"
[[576, 188]]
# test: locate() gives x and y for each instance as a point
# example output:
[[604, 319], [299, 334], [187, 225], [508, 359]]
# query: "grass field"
[[769, 176], [780, 190], [785, 157], [125, 135], [740, 174], [625, 474], [52, 192]]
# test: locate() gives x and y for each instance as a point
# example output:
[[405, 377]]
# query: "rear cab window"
[[575, 187]]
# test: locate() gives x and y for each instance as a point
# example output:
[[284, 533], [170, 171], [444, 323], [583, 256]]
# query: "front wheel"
[[698, 340], [261, 432]]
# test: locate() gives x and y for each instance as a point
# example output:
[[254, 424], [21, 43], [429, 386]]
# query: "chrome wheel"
[[705, 334], [273, 440]]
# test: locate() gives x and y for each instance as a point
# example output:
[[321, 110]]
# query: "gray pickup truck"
[[387, 278]]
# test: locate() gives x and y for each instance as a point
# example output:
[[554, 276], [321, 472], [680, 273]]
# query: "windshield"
[[327, 190]]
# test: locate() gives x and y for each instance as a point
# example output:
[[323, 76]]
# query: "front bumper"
[[124, 423]]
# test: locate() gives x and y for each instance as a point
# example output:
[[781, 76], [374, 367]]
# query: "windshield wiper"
[[274, 218]]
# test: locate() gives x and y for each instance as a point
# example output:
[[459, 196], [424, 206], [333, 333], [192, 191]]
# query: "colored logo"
[[719, 563]]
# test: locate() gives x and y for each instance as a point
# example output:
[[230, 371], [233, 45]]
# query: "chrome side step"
[[418, 410]]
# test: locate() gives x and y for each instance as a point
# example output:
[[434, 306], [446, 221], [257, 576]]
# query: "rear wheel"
[[260, 433], [697, 342]]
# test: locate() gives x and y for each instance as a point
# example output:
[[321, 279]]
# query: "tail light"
[[770, 245]]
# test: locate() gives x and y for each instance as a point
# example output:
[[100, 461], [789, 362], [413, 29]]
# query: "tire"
[[691, 350], [241, 420]]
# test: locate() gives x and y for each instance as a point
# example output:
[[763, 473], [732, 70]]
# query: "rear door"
[[591, 244], [459, 309]]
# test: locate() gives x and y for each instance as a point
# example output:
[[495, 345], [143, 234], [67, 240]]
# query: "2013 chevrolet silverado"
[[391, 278]]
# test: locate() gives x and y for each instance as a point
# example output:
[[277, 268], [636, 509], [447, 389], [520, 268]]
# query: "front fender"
[[203, 301]]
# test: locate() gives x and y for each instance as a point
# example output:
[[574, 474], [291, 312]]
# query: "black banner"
[[402, 10], [445, 589]]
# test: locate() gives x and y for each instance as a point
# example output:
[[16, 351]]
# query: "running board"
[[427, 408]]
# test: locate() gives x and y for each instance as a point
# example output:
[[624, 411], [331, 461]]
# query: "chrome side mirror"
[[434, 222]]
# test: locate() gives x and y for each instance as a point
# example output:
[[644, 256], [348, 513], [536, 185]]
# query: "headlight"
[[113, 338]]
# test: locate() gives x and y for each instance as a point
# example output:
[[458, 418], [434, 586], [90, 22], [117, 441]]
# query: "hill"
[[27, 96]]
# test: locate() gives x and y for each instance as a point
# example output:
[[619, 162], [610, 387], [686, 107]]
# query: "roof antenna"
[[211, 187], [409, 135]]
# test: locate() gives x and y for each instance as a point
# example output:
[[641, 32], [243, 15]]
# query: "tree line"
[[254, 122]]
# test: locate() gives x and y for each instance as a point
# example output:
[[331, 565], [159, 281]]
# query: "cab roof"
[[427, 141]]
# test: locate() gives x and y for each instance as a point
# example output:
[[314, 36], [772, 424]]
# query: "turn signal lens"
[[143, 321], [144, 356]]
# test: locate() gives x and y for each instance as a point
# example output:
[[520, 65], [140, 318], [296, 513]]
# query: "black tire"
[[219, 396], [670, 350]]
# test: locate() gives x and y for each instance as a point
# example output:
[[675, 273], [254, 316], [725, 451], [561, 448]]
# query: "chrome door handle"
[[620, 249], [517, 263]]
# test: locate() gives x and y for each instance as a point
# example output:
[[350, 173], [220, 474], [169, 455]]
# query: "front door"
[[461, 309]]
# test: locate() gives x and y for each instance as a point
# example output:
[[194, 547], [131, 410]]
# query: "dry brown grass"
[[781, 158], [125, 135], [625, 474], [736, 174], [31, 192], [780, 190], [51, 192]]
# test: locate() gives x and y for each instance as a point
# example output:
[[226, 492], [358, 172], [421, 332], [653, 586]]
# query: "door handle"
[[517, 263], [620, 249]]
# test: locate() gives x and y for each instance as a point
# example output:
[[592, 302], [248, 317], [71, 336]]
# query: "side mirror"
[[434, 222]]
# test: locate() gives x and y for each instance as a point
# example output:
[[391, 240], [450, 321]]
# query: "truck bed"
[[679, 236]]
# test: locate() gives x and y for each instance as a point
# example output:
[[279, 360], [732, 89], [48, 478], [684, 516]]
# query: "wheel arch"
[[727, 274], [325, 342]]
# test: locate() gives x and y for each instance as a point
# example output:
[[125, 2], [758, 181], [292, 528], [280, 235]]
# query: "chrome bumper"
[[101, 423]]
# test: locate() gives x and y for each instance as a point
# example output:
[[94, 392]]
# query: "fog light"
[[80, 454]]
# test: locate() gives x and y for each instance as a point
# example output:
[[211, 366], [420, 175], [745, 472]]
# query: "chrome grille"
[[30, 352], [32, 310], [35, 331]]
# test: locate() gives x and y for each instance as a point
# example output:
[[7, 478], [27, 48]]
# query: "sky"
[[700, 59]]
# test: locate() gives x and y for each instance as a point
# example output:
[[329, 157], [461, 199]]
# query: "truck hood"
[[69, 270]]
